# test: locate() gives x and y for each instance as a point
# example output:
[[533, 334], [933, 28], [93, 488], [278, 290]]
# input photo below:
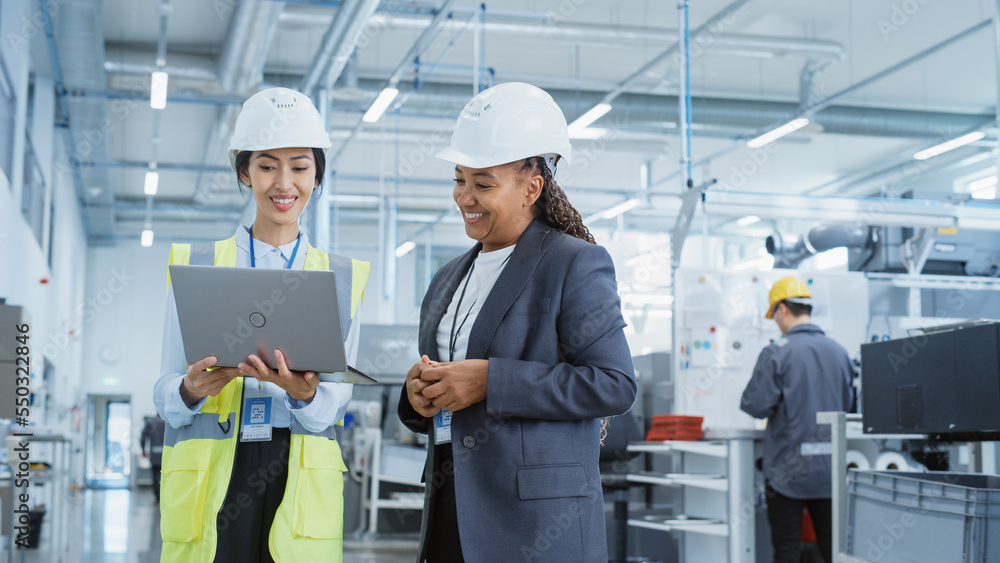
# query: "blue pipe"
[[64, 111], [687, 88], [482, 49]]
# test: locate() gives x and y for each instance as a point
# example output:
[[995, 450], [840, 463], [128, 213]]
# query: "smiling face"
[[282, 181], [497, 203]]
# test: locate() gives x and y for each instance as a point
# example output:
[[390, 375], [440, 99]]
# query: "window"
[[8, 107]]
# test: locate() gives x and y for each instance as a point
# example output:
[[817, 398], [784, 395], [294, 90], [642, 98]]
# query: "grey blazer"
[[527, 484]]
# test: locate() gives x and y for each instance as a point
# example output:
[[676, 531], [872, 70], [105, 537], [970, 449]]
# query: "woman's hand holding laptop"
[[200, 383], [299, 385]]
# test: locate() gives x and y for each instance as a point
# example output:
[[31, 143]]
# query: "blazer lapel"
[[525, 258], [438, 305]]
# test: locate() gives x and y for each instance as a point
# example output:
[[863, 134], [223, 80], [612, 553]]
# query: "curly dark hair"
[[555, 209]]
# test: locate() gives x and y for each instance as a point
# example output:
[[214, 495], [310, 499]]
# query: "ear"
[[245, 178], [533, 189]]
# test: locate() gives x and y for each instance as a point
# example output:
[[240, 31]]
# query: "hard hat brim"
[[234, 152], [798, 300], [460, 158]]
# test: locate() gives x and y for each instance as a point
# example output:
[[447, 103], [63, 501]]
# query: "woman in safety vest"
[[226, 497]]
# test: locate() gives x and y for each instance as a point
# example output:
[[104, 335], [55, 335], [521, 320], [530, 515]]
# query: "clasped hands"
[[200, 382], [455, 385]]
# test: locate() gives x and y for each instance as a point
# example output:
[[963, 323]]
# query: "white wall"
[[52, 296], [126, 299]]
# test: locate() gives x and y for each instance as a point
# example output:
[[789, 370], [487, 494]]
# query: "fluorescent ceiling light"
[[587, 133], [775, 134], [147, 238], [592, 115], [949, 145], [380, 104], [615, 210], [748, 220], [983, 188], [402, 249], [622, 207], [152, 182], [158, 91]]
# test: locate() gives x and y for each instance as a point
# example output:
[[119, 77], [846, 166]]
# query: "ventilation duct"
[[790, 250]]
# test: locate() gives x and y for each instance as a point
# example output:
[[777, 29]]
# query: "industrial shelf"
[[710, 482], [719, 529], [716, 465], [713, 449]]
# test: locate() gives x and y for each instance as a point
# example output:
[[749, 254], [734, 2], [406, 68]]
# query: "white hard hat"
[[507, 123], [277, 118]]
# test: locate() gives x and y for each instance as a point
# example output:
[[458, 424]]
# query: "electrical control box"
[[940, 383]]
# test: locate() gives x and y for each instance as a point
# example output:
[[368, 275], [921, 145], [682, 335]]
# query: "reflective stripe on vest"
[[198, 458]]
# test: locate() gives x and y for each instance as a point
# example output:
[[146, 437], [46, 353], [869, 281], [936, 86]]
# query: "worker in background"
[[523, 351], [151, 442], [230, 494], [792, 381]]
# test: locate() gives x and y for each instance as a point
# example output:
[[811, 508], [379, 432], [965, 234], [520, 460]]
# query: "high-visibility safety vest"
[[198, 458]]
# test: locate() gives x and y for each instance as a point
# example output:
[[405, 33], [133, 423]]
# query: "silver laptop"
[[234, 312]]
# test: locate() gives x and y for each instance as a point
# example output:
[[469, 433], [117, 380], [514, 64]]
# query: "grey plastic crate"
[[938, 516]]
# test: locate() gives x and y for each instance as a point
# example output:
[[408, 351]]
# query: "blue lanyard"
[[291, 260]]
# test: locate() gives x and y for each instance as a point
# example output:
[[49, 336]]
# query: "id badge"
[[256, 417], [442, 426]]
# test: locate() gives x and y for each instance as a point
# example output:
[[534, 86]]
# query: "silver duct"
[[790, 250], [546, 28]]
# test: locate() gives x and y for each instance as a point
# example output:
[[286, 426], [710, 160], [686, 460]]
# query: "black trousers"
[[155, 469], [255, 491], [443, 543], [784, 514]]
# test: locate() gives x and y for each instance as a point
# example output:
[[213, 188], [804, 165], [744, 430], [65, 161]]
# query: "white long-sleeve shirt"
[[331, 400]]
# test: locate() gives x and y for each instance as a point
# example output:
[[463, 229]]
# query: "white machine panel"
[[721, 330]]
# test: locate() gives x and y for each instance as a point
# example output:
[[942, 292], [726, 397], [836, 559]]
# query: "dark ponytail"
[[555, 209]]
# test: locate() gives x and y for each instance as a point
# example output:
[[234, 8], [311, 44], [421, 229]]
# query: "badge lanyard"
[[442, 420], [453, 340], [291, 260]]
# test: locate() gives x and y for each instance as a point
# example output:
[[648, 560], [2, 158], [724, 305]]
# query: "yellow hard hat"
[[786, 288]]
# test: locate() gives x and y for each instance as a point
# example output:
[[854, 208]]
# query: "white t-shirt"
[[453, 332]]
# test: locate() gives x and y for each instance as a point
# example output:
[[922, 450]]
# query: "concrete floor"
[[122, 526]]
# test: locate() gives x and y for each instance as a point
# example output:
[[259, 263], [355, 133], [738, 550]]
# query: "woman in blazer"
[[523, 351]]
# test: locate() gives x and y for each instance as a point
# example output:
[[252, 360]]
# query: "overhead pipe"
[[186, 72], [663, 57], [338, 42], [790, 250], [589, 34], [77, 57], [235, 44], [714, 116], [823, 104], [418, 47], [63, 111], [241, 67]]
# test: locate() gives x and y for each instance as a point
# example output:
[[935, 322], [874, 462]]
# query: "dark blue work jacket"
[[792, 381]]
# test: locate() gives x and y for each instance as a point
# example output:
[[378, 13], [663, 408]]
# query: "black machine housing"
[[945, 384]]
